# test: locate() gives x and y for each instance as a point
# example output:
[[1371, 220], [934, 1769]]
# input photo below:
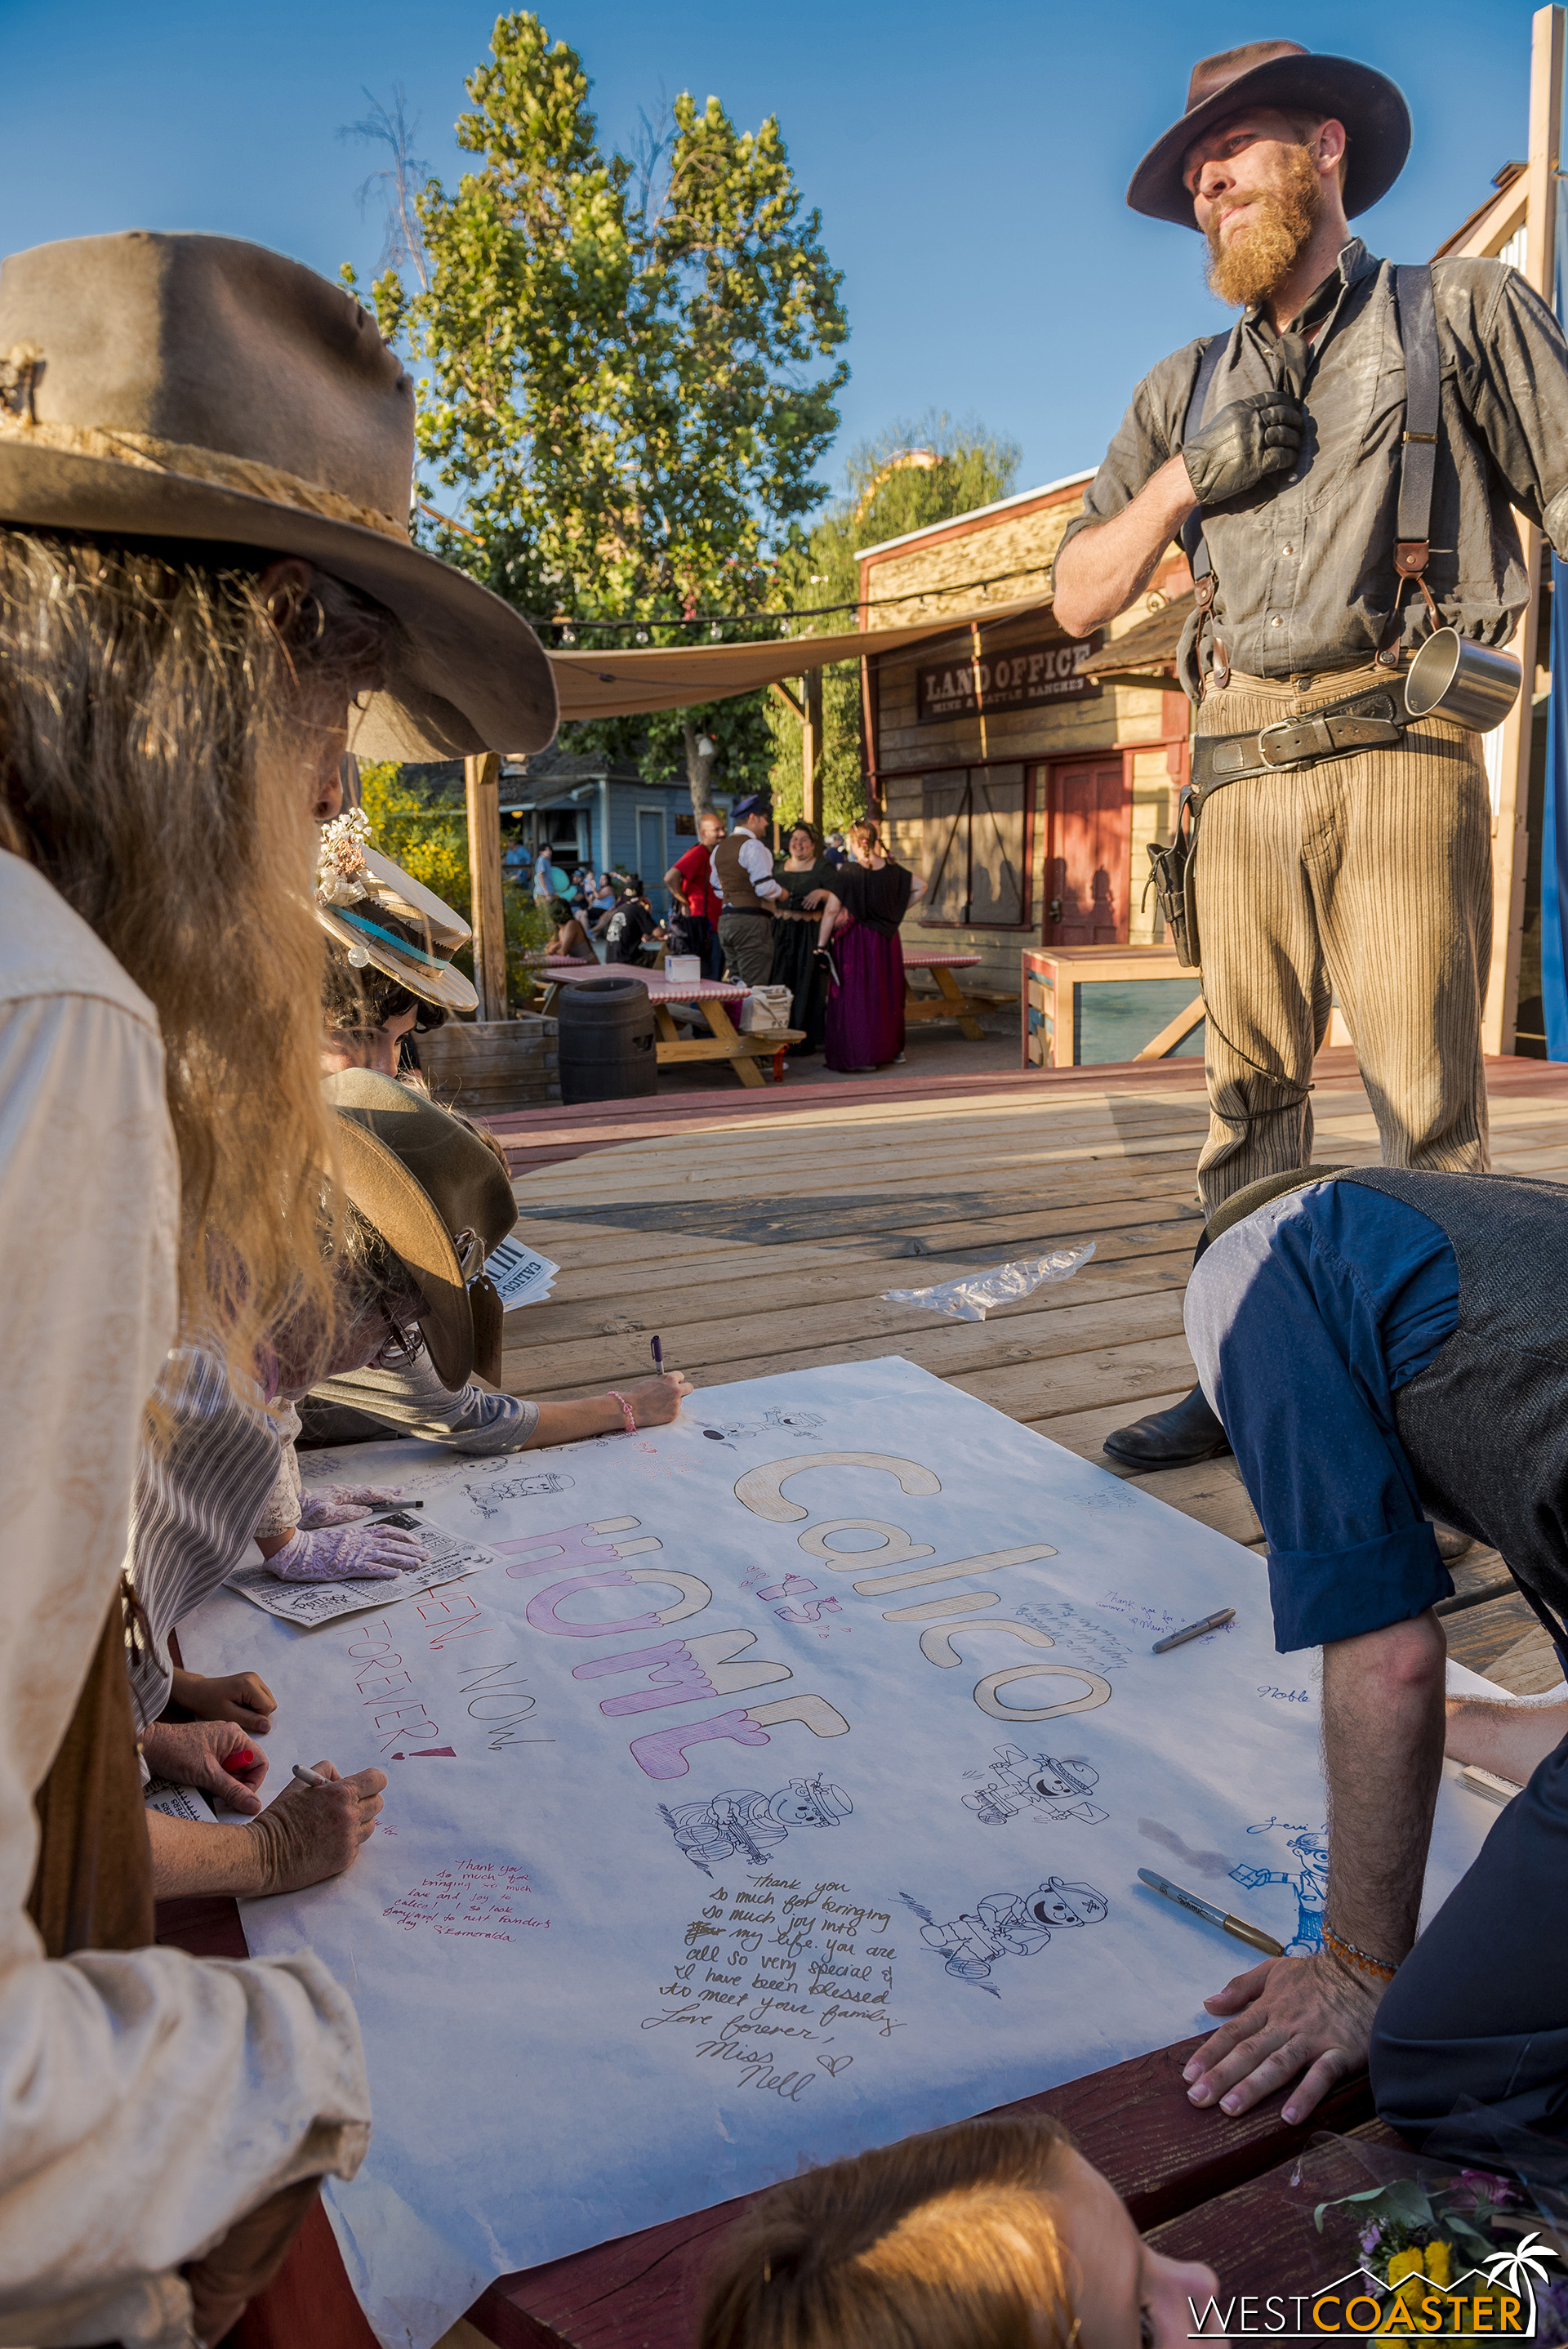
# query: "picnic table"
[[742, 1047], [1201, 2184], [950, 1002]]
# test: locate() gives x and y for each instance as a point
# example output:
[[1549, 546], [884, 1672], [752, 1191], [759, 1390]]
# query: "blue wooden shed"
[[600, 812]]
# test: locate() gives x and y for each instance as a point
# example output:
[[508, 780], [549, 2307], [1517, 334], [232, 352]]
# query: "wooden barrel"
[[479, 1066], [608, 1050]]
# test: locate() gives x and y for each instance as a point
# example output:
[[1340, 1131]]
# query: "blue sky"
[[969, 161]]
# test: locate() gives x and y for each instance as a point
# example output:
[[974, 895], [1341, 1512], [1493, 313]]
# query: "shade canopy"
[[678, 677]]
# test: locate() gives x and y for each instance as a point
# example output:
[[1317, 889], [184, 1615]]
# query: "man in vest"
[[743, 876], [1385, 1344], [1364, 876]]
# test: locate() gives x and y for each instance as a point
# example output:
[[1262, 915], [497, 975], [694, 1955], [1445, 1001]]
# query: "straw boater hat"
[[195, 388], [438, 1197], [1282, 73], [381, 915]]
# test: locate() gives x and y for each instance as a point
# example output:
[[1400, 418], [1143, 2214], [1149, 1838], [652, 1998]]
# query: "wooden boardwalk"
[[758, 1234]]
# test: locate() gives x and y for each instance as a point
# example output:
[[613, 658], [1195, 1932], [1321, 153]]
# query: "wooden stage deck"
[[758, 1234]]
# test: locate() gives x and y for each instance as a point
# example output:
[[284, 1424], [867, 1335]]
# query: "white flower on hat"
[[341, 875]]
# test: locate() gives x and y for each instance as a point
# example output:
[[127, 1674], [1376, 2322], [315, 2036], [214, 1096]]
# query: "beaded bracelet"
[[1348, 1952], [628, 1416]]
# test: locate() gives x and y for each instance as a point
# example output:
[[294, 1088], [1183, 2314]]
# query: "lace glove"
[[350, 1554], [345, 1504], [1243, 445]]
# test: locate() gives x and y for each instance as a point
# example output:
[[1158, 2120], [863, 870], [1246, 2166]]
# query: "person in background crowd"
[[175, 710], [630, 927], [742, 868], [546, 880], [835, 853], [516, 862], [865, 997], [993, 2235], [569, 936], [807, 878], [695, 903]]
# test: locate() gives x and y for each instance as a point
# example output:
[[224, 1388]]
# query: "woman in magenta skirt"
[[865, 1001]]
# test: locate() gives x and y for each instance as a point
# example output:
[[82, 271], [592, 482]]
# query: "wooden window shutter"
[[944, 811], [996, 887]]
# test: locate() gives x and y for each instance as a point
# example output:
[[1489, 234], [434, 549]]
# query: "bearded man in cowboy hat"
[[1366, 877], [206, 580], [1371, 872]]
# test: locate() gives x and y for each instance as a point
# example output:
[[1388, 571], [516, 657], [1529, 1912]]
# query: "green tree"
[[909, 477], [630, 365]]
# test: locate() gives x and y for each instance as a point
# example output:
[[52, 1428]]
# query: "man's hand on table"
[[1289, 2016]]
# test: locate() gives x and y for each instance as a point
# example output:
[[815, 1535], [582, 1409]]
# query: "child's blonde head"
[[944, 2241]]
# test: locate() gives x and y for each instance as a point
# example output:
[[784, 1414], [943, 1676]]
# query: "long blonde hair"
[[151, 768], [944, 2241]]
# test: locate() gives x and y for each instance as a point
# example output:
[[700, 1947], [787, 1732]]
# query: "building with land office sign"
[[1021, 771]]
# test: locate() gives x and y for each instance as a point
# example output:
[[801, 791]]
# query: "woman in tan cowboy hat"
[[205, 578]]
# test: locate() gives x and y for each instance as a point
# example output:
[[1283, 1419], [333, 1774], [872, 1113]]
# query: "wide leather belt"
[[1372, 720]]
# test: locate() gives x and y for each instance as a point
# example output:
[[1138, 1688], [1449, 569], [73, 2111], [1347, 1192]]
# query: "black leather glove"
[[1245, 443]]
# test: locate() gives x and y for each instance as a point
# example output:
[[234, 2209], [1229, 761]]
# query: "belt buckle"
[[1299, 739]]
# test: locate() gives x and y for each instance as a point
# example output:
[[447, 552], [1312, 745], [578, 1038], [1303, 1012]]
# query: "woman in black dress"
[[808, 881], [865, 1001]]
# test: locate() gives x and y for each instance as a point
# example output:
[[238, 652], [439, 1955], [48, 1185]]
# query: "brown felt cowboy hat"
[[196, 388], [437, 1193], [1281, 73]]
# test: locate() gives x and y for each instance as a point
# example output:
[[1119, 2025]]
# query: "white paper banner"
[[779, 1791]]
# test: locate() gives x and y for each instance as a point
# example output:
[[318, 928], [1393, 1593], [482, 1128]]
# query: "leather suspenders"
[[1416, 326], [1416, 323], [1194, 545]]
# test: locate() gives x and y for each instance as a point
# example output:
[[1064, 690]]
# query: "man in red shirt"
[[690, 883]]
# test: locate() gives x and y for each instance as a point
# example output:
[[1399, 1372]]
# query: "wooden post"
[[1511, 829], [811, 748], [482, 777]]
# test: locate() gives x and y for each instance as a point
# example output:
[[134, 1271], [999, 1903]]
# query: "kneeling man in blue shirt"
[[1385, 1347]]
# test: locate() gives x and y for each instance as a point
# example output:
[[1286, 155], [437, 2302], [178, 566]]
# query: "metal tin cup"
[[1451, 677]]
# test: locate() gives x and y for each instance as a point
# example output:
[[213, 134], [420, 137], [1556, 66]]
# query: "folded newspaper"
[[309, 1603], [521, 1274]]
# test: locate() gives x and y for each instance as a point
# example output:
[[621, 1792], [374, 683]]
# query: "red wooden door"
[[1089, 856]]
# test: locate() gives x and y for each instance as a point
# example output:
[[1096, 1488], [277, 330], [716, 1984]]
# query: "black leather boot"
[[1189, 1431]]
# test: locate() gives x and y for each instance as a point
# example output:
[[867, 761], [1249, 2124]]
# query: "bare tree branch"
[[398, 185]]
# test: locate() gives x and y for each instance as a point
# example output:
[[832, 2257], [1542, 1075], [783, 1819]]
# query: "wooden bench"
[[951, 1001], [1202, 2185]]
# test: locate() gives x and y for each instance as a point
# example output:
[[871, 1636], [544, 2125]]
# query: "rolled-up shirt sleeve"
[[147, 2100], [1512, 360], [1146, 435], [405, 1393]]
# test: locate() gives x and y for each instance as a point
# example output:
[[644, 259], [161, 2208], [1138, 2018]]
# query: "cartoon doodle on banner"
[[775, 1420], [490, 1500], [1037, 1782], [752, 1823], [1008, 1924], [1309, 1883]]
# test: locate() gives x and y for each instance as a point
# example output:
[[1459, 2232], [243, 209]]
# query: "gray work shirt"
[[1304, 563]]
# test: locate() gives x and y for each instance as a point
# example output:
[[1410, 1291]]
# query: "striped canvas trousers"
[[1368, 878]]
